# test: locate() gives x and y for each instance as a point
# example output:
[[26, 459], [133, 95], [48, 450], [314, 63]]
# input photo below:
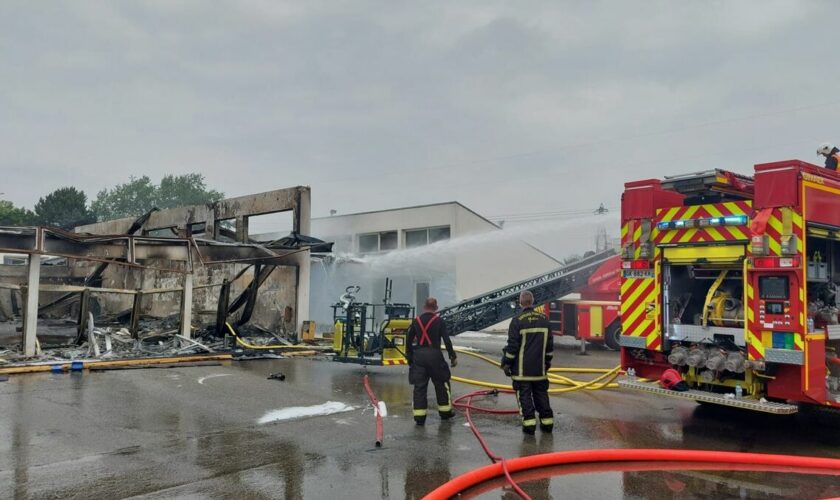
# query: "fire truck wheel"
[[611, 336]]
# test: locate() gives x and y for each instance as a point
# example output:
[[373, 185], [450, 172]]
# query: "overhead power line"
[[568, 213]]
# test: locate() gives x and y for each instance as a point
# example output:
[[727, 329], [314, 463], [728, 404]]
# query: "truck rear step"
[[707, 397]]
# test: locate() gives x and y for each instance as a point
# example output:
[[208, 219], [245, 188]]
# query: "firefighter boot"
[[529, 426], [547, 424]]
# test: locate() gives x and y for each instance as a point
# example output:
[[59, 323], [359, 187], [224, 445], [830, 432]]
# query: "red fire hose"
[[375, 402], [666, 459], [496, 459], [537, 466], [590, 468]]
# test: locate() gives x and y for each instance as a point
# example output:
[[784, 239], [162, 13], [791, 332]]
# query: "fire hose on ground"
[[658, 459], [496, 459], [607, 459], [377, 409], [604, 381], [246, 345]]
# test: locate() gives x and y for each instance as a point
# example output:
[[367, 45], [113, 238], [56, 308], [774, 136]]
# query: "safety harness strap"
[[424, 330]]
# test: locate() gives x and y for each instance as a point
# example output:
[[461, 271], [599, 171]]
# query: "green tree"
[[130, 199], [140, 194], [65, 208], [182, 190], [11, 215]]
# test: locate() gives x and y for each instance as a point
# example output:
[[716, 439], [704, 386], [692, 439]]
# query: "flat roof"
[[429, 205]]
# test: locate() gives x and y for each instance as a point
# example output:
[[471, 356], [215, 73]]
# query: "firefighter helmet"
[[825, 149], [670, 378]]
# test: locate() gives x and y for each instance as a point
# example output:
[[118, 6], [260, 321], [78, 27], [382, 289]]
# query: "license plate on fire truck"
[[637, 273]]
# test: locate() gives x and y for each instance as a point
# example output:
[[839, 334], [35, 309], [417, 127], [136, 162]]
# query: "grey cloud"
[[505, 106]]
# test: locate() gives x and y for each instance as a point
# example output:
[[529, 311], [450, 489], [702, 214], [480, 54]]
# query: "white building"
[[444, 250]]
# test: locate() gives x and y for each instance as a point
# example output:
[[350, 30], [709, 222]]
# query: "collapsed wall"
[[224, 221], [168, 263]]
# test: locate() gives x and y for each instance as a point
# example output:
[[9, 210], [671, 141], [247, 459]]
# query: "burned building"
[[174, 262]]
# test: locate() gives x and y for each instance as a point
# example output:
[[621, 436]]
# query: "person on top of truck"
[[832, 156]]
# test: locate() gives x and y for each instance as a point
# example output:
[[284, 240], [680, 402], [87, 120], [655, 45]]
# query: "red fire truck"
[[594, 316], [732, 281]]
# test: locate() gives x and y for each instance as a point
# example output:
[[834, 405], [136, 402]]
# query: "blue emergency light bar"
[[729, 220]]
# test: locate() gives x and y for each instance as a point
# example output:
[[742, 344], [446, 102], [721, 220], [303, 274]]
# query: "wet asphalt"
[[192, 432]]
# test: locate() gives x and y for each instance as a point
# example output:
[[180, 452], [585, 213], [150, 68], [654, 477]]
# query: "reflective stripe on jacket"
[[530, 346]]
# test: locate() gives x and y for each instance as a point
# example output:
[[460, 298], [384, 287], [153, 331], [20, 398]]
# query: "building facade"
[[443, 250]]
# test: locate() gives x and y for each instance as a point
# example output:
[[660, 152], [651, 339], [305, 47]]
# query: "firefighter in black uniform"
[[425, 361], [526, 360]]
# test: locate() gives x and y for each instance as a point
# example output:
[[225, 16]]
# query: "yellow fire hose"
[[246, 345], [604, 381]]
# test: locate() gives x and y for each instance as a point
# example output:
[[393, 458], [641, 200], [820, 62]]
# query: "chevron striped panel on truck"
[[754, 335], [653, 340], [640, 297], [702, 234], [636, 318], [775, 229], [759, 338], [630, 235]]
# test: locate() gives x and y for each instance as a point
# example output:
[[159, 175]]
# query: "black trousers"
[[428, 364], [533, 398]]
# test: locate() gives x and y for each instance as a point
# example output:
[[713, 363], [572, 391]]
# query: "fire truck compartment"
[[823, 263], [703, 303]]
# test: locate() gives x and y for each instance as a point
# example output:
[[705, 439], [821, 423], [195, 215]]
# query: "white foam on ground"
[[296, 412], [215, 375]]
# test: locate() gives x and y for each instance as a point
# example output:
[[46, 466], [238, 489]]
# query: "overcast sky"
[[507, 107]]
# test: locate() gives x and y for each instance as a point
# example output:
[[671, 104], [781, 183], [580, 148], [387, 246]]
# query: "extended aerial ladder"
[[358, 340], [488, 309]]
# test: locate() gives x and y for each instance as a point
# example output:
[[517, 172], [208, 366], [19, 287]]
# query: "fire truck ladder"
[[478, 313]]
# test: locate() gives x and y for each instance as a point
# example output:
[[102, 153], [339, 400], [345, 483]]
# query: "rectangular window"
[[198, 229], [388, 240], [438, 234], [416, 238], [426, 236], [163, 232], [368, 243], [378, 242]]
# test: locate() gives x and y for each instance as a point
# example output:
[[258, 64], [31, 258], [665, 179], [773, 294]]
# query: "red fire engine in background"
[[733, 281], [594, 316]]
